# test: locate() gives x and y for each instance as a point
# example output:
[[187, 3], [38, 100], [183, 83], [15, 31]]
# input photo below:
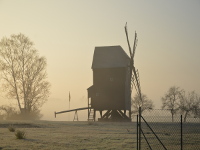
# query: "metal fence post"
[[137, 133], [140, 128], [181, 132]]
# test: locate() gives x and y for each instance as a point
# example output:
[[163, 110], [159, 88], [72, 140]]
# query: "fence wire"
[[169, 131]]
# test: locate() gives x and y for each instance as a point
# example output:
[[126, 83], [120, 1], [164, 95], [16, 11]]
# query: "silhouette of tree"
[[189, 104], [23, 73], [145, 103], [171, 100]]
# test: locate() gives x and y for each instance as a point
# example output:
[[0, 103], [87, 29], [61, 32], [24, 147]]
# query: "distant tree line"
[[178, 100]]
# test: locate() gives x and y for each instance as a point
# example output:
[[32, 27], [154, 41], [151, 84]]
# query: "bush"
[[32, 115], [20, 134], [11, 128], [10, 113]]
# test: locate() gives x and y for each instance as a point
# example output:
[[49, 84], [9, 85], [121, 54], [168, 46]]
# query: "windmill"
[[114, 76], [134, 74]]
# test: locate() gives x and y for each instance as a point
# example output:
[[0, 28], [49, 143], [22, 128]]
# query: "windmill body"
[[110, 92]]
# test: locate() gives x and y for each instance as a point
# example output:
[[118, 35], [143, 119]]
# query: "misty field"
[[50, 135], [68, 135]]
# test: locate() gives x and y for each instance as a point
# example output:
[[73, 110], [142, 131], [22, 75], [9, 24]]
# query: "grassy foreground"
[[50, 135], [61, 135]]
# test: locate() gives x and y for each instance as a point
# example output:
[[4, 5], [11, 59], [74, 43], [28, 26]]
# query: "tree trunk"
[[185, 116], [16, 91]]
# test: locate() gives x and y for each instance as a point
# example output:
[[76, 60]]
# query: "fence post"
[[137, 133], [181, 132], [140, 128]]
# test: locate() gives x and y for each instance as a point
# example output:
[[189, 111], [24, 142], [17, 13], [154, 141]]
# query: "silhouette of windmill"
[[114, 75]]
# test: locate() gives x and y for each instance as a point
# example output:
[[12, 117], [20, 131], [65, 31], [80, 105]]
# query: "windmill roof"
[[110, 57]]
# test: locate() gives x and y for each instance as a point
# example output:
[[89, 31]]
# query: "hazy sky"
[[67, 31]]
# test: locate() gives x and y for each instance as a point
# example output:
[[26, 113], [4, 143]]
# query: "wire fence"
[[159, 130]]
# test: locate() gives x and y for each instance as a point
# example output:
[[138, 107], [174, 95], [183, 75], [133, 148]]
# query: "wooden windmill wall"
[[110, 91]]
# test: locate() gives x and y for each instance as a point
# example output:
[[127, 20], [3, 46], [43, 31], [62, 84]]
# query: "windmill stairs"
[[90, 113]]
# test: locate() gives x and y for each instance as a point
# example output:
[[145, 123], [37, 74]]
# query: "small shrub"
[[20, 134], [11, 128]]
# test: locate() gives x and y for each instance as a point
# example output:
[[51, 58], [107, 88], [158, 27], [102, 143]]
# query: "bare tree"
[[171, 100], [189, 104], [196, 111], [145, 103], [23, 73]]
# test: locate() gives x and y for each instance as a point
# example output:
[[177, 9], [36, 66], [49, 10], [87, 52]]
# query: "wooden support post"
[[106, 114], [88, 110], [100, 113], [94, 114], [130, 114], [76, 116]]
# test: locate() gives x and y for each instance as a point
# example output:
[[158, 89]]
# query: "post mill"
[[114, 75]]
